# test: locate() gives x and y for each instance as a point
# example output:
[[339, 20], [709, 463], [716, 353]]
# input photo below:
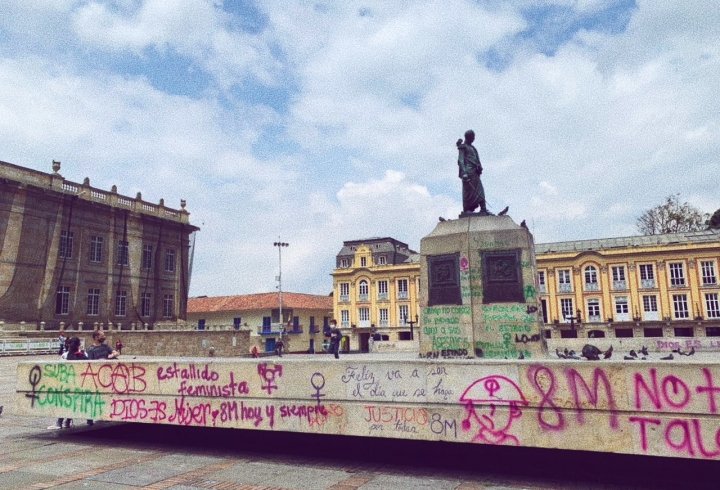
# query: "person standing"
[[335, 336], [118, 346], [74, 353], [279, 346], [61, 341]]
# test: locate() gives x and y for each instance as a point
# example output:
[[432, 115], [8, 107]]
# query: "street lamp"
[[280, 246], [412, 336], [574, 319]]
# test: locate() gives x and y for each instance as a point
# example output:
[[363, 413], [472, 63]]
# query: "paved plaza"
[[116, 456]]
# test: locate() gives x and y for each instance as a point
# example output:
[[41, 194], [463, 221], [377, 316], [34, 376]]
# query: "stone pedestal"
[[478, 295]]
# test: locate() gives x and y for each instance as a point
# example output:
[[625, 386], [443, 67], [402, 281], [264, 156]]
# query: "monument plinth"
[[478, 295]]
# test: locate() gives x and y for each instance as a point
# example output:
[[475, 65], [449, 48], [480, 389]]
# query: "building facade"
[[375, 291], [641, 286], [305, 318], [76, 256]]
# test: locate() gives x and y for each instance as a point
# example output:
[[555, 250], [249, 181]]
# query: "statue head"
[[469, 136]]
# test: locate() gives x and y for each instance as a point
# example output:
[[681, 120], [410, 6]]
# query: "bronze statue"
[[469, 168]]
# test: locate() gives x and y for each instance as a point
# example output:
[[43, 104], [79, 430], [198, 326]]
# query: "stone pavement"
[[116, 456]]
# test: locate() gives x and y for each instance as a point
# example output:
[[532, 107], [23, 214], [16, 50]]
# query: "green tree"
[[714, 221], [671, 217]]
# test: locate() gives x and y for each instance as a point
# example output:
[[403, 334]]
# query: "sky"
[[313, 123]]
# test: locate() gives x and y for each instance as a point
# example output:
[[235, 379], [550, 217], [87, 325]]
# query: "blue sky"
[[328, 121]]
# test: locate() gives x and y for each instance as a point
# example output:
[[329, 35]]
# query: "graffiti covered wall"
[[668, 410]]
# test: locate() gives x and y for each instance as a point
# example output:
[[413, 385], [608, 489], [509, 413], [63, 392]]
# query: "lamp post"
[[412, 336], [280, 246], [574, 319]]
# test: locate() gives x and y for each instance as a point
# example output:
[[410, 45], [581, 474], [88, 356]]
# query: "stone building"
[[73, 255], [305, 317], [640, 286], [375, 291]]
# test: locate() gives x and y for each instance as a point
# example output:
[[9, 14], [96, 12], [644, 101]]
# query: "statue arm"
[[462, 170]]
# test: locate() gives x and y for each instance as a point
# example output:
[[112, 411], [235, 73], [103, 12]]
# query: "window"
[[168, 305], [647, 276], [93, 301], [344, 291], [62, 300], [564, 281], [708, 273], [618, 276], [382, 260], [383, 316], [403, 314], [593, 310], [145, 304], [170, 260], [122, 253], [364, 316], [680, 306], [541, 282], [382, 289], [622, 310], [121, 303], [345, 318], [66, 244], [363, 261], [650, 307], [712, 306], [591, 282], [402, 289], [344, 263], [363, 290], [96, 245], [566, 309], [147, 257], [677, 275]]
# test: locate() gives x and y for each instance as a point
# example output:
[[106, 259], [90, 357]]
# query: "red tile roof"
[[259, 301]]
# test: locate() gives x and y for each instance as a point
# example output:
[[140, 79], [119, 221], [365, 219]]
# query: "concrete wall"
[[670, 409], [621, 347]]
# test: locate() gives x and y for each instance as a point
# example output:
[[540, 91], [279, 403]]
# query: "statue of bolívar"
[[469, 169]]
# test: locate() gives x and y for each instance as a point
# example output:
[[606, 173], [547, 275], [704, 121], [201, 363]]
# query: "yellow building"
[[641, 286], [375, 291]]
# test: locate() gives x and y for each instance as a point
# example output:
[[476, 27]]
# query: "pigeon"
[[692, 351], [573, 355], [608, 353], [504, 211], [633, 353], [591, 352], [689, 353], [442, 219], [560, 354], [644, 358], [567, 353], [523, 224], [644, 351], [668, 357], [628, 358], [522, 356], [1, 409]]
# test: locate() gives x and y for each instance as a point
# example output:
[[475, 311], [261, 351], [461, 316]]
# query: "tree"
[[714, 221], [671, 217]]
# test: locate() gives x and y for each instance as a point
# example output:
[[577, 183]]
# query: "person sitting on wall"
[[99, 349]]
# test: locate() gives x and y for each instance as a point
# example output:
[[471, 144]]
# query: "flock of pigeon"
[[592, 353]]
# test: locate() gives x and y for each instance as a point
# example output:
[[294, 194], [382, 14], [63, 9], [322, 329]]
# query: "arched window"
[[363, 290], [591, 279]]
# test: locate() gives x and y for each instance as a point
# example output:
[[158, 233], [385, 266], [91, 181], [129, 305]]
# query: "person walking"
[[335, 336]]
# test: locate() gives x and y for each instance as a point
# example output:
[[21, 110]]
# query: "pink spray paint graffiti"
[[481, 400]]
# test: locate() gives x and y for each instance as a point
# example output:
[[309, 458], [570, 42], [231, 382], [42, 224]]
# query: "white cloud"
[[578, 143]]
